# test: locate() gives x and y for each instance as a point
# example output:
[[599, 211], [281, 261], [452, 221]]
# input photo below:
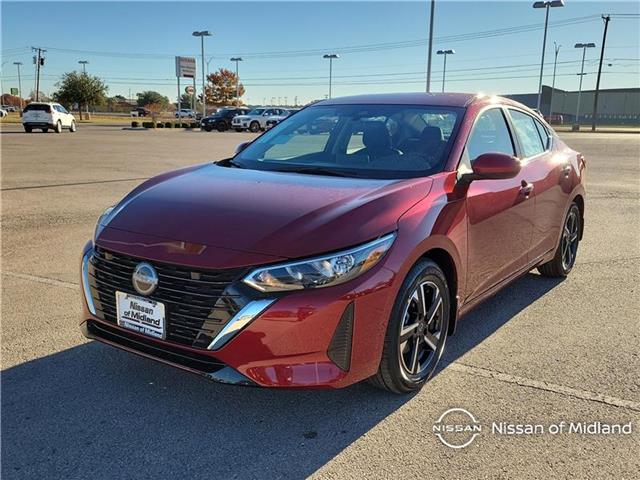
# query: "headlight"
[[102, 222], [322, 271]]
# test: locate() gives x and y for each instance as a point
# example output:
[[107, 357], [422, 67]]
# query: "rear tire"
[[565, 256], [45, 130], [417, 331], [27, 129]]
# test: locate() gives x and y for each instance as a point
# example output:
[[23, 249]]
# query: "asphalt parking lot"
[[542, 351]]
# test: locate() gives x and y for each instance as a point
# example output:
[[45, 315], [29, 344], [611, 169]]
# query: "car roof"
[[419, 98]]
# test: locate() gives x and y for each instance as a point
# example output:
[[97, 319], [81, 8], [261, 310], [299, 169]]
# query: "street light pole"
[[583, 46], [444, 70], [556, 48], [237, 59], [330, 56], [546, 5], [430, 47], [17, 64], [202, 34]]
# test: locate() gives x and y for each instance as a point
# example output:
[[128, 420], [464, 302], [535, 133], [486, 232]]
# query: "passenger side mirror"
[[241, 147], [493, 166]]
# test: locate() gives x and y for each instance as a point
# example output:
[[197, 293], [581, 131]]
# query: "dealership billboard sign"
[[185, 67]]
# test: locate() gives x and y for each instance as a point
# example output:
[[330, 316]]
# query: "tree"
[[80, 88], [185, 100], [149, 97], [221, 88]]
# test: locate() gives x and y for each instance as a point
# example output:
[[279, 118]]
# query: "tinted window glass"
[[527, 133], [490, 135], [369, 141], [32, 107]]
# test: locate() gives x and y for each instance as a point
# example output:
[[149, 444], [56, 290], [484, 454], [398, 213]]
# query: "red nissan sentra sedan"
[[342, 245]]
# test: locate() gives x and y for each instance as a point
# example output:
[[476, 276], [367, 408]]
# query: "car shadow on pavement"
[[93, 411], [488, 317], [96, 412]]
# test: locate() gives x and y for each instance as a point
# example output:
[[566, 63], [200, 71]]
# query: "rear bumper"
[[327, 338], [38, 124]]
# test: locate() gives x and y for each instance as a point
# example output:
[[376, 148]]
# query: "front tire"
[[417, 330], [45, 130], [254, 127], [565, 257], [58, 127], [73, 127], [221, 127]]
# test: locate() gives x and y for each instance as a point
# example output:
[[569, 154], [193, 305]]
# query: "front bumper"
[[323, 338]]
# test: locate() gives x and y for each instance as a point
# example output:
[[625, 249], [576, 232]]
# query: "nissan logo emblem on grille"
[[144, 278]]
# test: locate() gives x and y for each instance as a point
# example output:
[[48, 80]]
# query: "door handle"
[[526, 188]]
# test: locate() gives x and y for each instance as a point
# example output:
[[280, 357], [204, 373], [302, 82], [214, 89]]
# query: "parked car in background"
[[273, 121], [185, 113], [317, 260], [256, 119], [140, 112], [221, 120], [3, 113], [47, 115], [9, 108]]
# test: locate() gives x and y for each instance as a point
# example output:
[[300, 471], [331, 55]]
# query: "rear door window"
[[527, 132]]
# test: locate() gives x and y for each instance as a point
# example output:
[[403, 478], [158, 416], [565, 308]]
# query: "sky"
[[382, 45]]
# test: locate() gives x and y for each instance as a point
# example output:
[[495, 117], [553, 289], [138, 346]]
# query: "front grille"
[[198, 303]]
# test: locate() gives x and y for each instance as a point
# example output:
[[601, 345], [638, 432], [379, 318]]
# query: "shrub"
[[194, 125], [148, 124], [185, 125], [134, 124], [160, 125], [168, 124]]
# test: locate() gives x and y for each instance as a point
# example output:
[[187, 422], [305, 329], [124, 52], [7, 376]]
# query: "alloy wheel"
[[421, 330], [569, 241]]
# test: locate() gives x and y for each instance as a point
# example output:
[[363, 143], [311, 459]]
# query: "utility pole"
[[553, 83], [433, 7], [594, 121], [84, 72], [39, 63], [17, 64]]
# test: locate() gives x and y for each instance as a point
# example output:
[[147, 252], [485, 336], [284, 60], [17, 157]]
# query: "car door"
[[499, 212], [548, 172]]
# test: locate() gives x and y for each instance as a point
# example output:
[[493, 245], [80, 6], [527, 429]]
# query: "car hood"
[[274, 213]]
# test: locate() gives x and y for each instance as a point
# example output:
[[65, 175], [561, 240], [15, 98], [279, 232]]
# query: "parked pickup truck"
[[256, 119]]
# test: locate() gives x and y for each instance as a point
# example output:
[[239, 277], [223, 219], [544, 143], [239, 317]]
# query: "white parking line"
[[549, 387]]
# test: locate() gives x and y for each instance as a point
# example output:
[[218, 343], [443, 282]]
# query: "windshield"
[[368, 141], [257, 111]]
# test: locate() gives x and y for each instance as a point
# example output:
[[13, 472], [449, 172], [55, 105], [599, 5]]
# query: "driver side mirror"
[[241, 147], [493, 166]]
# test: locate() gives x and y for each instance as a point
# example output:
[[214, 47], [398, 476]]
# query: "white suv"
[[256, 119], [47, 115]]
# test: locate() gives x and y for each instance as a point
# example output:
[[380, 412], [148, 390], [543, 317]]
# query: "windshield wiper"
[[234, 164], [320, 171]]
